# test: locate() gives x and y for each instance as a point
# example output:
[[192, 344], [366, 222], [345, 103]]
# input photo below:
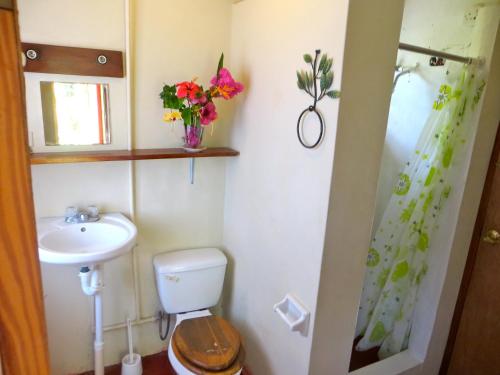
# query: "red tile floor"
[[156, 364]]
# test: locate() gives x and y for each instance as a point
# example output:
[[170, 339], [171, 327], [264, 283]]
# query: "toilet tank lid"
[[189, 260]]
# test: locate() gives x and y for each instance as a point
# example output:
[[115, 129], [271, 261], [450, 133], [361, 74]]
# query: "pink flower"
[[225, 85], [201, 98], [208, 113]]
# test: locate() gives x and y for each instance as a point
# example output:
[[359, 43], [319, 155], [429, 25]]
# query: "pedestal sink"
[[87, 244], [84, 243]]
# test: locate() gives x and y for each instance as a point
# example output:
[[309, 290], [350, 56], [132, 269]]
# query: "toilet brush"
[[131, 363], [130, 342]]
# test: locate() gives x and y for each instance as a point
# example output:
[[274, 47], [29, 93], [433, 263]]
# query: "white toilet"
[[189, 282]]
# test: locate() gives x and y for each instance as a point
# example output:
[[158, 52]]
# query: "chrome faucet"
[[75, 216]]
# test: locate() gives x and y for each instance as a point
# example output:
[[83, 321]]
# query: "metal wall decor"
[[307, 81]]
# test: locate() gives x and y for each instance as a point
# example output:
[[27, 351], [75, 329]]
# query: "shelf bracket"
[[191, 171]]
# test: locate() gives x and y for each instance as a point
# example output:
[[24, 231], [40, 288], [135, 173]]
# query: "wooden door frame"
[[471, 256], [23, 336]]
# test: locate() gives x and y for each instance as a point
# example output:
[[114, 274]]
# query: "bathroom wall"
[[269, 211], [276, 191], [169, 212]]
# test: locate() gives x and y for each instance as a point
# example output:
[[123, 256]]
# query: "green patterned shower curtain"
[[397, 258]]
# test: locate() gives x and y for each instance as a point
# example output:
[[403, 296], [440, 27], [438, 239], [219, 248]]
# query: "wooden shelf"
[[117, 155]]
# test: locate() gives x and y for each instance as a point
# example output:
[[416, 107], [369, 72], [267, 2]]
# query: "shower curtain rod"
[[431, 52]]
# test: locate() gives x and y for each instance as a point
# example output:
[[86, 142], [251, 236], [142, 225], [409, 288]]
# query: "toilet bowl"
[[189, 282], [185, 362]]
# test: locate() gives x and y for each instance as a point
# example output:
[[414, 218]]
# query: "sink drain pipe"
[[91, 282]]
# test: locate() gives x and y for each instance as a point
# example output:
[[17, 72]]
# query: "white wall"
[[169, 212], [276, 190], [174, 41]]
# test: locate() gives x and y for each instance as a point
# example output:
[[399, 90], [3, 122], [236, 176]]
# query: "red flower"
[[187, 90]]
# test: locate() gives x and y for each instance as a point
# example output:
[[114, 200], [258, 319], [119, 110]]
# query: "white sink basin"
[[84, 243]]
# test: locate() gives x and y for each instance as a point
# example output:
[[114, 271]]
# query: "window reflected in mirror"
[[75, 113]]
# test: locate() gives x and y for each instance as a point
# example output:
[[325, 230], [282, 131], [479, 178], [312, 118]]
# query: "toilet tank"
[[189, 280]]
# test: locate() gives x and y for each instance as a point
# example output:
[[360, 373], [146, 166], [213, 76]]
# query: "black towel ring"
[[317, 84], [311, 108]]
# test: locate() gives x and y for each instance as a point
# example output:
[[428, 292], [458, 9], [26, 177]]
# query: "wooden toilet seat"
[[208, 345]]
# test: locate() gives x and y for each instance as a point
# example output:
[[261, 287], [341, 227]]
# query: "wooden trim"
[[73, 60], [471, 257], [23, 337], [117, 155], [9, 5]]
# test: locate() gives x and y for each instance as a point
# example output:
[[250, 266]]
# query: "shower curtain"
[[397, 258]]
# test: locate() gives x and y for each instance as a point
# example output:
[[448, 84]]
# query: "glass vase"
[[193, 137]]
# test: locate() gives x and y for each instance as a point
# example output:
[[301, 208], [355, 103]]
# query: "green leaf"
[[334, 94], [186, 115], [308, 58], [221, 64], [323, 83], [322, 62], [169, 97], [328, 80], [328, 66], [310, 81], [305, 77], [300, 81]]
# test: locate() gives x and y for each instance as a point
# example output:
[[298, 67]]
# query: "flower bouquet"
[[189, 102]]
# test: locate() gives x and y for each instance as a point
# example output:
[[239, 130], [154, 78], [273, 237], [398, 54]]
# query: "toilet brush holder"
[[132, 367]]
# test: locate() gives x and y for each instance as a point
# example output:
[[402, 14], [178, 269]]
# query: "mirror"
[[75, 113]]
